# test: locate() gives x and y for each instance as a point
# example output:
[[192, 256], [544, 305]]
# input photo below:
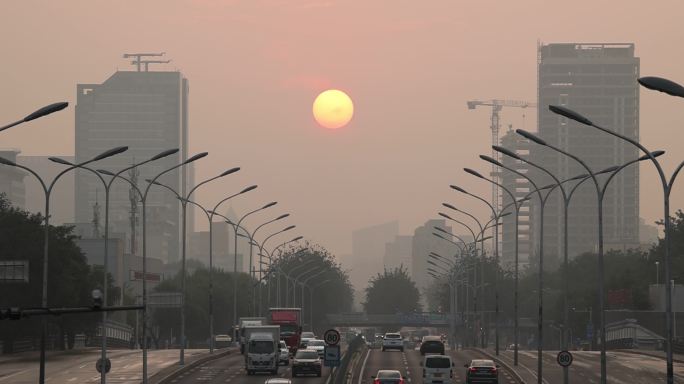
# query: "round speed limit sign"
[[331, 337], [564, 358]]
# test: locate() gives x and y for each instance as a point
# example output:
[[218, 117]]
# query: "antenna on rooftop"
[[138, 59]]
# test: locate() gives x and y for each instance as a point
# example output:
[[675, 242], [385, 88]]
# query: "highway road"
[[230, 369], [408, 362]]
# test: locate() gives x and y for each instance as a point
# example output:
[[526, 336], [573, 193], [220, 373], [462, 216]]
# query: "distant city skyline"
[[409, 69]]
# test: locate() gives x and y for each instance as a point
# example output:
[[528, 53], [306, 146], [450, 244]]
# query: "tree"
[[392, 292], [70, 278], [313, 264], [197, 304]]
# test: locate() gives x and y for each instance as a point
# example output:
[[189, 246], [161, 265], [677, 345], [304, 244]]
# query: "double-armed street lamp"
[[183, 200], [47, 190], [268, 255], [210, 217], [143, 199], [497, 215], [600, 193], [235, 280], [673, 89], [107, 188], [518, 204]]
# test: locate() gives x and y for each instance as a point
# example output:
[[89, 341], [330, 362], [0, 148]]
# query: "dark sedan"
[[432, 344], [482, 371]]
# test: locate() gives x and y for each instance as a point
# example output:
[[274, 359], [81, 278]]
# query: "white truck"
[[245, 322], [262, 349]]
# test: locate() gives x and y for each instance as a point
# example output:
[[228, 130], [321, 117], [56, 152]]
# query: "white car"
[[392, 341], [284, 355], [318, 346], [437, 369]]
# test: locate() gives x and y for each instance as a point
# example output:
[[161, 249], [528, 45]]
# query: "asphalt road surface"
[[408, 362], [230, 369], [622, 368], [79, 367]]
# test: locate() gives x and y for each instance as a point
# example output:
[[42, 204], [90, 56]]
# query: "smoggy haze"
[[255, 67]]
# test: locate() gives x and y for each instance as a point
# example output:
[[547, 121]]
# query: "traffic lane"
[[377, 360], [230, 369], [465, 356]]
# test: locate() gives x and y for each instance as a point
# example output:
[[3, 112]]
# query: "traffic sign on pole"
[[331, 337], [332, 356], [107, 365], [564, 358]]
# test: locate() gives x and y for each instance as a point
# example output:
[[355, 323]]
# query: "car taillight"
[[451, 373], [472, 369], [376, 381], [401, 381]]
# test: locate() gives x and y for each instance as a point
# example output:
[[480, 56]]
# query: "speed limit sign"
[[564, 358], [331, 337]]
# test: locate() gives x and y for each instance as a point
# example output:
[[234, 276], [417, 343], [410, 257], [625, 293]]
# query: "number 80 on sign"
[[564, 358]]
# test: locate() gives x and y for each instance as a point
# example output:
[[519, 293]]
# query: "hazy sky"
[[255, 68]]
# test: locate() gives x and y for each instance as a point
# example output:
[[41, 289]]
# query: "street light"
[[261, 254], [517, 205], [497, 216], [46, 110], [184, 209], [235, 286], [254, 296], [47, 190], [210, 216], [542, 203], [144, 235], [107, 187], [673, 89], [600, 193]]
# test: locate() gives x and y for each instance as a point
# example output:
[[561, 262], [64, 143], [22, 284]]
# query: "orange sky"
[[256, 66]]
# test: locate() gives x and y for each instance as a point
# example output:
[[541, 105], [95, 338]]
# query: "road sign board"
[[331, 337], [14, 271], [165, 299], [564, 358], [332, 356], [590, 330], [107, 365]]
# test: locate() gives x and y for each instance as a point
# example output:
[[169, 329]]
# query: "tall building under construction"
[[600, 82]]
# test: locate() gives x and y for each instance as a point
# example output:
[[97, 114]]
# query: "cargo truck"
[[290, 322], [262, 352], [245, 322]]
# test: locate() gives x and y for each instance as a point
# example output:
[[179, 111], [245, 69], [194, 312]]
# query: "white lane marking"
[[363, 366]]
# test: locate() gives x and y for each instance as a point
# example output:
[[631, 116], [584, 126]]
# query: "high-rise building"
[[12, 180], [520, 188], [62, 195], [600, 82], [425, 242], [398, 253], [368, 250], [148, 112]]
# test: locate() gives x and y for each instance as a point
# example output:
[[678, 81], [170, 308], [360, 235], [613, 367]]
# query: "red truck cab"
[[290, 322]]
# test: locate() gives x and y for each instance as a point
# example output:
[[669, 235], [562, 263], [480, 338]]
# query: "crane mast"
[[495, 126]]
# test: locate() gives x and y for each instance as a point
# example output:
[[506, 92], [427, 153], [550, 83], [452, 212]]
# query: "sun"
[[333, 109]]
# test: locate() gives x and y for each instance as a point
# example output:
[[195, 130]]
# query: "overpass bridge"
[[417, 319]]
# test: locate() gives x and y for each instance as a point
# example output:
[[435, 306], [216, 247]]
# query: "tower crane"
[[497, 106]]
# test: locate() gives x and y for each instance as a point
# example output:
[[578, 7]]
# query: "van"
[[438, 369]]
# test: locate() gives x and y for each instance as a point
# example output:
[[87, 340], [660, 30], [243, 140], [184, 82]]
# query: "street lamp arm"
[[444, 215], [674, 176], [479, 224], [233, 170]]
